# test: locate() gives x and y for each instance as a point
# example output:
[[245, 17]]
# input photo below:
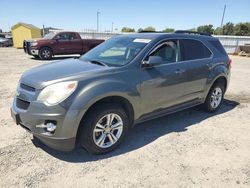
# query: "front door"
[[66, 43], [163, 85]]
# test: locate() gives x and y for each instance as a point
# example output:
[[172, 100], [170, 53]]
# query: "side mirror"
[[152, 61]]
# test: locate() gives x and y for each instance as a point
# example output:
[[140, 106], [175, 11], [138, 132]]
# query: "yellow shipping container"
[[23, 31]]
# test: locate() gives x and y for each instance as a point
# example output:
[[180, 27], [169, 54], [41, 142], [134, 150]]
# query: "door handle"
[[179, 71], [209, 65]]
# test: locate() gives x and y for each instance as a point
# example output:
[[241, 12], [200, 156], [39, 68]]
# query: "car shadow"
[[57, 58], [144, 133]]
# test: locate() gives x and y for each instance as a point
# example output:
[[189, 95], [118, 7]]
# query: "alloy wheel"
[[46, 54], [108, 130], [216, 97]]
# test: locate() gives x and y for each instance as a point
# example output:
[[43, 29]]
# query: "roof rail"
[[191, 32], [150, 31]]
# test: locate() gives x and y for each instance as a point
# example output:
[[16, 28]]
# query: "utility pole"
[[43, 30], [222, 20], [97, 21], [112, 29]]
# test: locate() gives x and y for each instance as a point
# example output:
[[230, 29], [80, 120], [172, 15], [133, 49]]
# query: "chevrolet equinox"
[[128, 79]]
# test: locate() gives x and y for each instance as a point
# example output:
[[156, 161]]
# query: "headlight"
[[56, 93], [33, 43]]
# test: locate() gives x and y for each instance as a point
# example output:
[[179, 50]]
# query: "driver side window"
[[63, 36], [168, 51]]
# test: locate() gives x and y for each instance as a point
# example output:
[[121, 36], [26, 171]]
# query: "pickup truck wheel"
[[104, 128], [45, 53], [214, 98]]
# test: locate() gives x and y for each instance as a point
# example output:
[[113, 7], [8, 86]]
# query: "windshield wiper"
[[98, 63]]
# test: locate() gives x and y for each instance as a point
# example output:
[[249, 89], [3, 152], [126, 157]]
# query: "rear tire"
[[45, 53], [104, 128], [215, 98]]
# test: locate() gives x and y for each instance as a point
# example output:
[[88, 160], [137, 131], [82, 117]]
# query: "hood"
[[69, 69]]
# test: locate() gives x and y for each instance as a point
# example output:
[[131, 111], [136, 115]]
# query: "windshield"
[[49, 36], [117, 51]]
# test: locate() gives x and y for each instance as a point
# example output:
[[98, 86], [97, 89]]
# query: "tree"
[[192, 29], [149, 28], [242, 29], [206, 29], [139, 30], [168, 30], [218, 31], [228, 29], [128, 29]]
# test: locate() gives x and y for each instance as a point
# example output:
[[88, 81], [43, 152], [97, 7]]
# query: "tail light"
[[229, 63]]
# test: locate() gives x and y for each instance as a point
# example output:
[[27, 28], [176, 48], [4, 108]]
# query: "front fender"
[[95, 91]]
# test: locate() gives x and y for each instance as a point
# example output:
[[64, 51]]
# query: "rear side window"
[[217, 45], [193, 49], [72, 36]]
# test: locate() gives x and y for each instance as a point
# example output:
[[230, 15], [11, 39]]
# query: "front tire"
[[104, 128], [214, 98], [45, 53]]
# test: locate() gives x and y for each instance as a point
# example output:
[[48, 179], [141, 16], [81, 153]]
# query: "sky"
[[82, 14]]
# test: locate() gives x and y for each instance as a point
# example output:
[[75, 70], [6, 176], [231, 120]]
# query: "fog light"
[[50, 127]]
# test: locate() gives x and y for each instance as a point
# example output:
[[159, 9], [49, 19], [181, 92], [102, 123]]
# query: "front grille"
[[26, 46], [26, 87], [22, 104]]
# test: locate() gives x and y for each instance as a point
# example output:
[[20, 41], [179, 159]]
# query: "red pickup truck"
[[61, 43]]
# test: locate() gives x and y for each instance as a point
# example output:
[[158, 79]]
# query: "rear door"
[[197, 58], [76, 43]]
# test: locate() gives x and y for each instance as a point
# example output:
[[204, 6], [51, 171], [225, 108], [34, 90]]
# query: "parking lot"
[[186, 149]]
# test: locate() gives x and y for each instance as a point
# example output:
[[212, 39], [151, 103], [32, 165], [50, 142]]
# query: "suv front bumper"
[[37, 114]]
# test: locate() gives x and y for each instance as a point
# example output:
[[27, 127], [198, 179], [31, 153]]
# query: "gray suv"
[[126, 80]]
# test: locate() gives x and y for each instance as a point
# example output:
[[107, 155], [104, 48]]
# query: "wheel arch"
[[220, 78], [114, 99]]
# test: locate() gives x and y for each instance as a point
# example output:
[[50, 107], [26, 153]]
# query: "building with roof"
[[24, 31]]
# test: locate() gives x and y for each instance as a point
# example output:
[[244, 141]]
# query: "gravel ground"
[[187, 149]]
